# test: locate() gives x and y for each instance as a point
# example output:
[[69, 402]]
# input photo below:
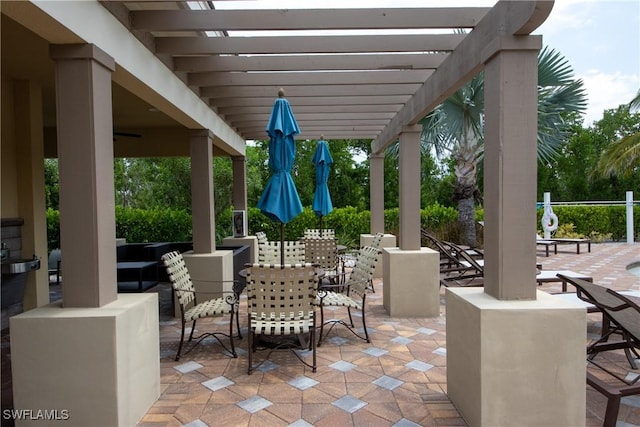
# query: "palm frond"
[[620, 158]]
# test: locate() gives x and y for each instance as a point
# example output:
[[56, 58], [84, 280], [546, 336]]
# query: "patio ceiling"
[[363, 83]]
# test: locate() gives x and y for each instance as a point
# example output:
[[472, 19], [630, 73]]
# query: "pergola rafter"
[[343, 70]]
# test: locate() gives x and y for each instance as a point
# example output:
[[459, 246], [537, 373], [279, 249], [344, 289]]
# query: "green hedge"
[[174, 225]]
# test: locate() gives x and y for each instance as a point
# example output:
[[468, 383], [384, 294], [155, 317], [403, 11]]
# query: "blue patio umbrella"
[[280, 200], [321, 198]]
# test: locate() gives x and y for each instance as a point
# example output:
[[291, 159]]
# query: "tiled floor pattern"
[[399, 379]]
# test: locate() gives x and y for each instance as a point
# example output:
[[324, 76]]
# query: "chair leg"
[[321, 325], [364, 325], [181, 341], [312, 338], [233, 347], [193, 328], [350, 318], [238, 324], [611, 413]]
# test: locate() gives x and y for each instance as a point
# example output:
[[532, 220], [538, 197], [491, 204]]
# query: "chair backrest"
[[323, 252], [624, 312], [179, 277], [377, 240], [325, 233], [464, 257], [281, 292], [54, 258], [446, 251], [363, 269], [262, 237], [269, 252]]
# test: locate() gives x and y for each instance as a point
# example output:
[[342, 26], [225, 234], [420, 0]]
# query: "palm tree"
[[456, 128], [621, 157]]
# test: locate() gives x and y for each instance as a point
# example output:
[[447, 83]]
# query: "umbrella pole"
[[282, 244], [320, 225]]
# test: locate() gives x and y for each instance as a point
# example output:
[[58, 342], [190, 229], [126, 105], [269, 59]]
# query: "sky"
[[599, 38], [601, 41]]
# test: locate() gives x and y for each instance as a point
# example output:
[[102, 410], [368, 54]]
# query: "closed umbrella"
[[321, 198], [280, 200]]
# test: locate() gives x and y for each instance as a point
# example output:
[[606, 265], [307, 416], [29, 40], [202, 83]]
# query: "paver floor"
[[399, 379]]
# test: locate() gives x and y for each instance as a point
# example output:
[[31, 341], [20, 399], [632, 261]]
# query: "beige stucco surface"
[[500, 367], [102, 365], [411, 282]]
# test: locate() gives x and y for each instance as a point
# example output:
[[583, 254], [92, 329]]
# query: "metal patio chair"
[[191, 310], [280, 304], [351, 294]]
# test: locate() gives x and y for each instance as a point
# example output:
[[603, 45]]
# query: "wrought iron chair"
[[269, 252], [191, 310], [324, 252], [351, 294], [280, 302]]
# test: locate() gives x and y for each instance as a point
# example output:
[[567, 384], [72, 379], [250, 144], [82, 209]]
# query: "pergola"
[[195, 80]]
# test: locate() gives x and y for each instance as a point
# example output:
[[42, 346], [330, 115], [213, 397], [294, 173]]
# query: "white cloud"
[[605, 91]]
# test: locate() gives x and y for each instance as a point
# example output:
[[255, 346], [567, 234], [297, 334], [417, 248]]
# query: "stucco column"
[[239, 164], [202, 203], [510, 90], [409, 170], [376, 192], [85, 149]]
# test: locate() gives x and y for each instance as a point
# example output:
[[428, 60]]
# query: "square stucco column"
[[202, 202], [102, 365], [85, 150], [515, 363], [411, 285], [409, 170], [515, 356], [376, 192]]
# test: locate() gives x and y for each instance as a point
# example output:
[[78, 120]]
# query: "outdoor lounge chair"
[[563, 241], [281, 302], [449, 261], [351, 293], [547, 244], [623, 317], [191, 310]]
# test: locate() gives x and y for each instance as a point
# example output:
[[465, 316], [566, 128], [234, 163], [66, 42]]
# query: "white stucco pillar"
[[85, 149], [202, 203]]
